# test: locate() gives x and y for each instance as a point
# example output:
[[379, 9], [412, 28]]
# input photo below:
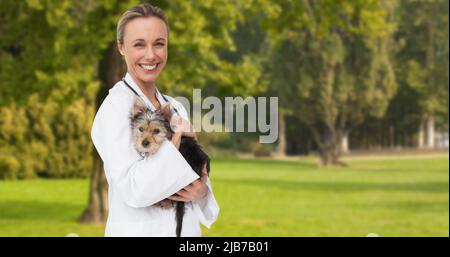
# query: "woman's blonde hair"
[[139, 11]]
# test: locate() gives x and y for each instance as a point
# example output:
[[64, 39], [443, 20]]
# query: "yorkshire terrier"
[[149, 130]]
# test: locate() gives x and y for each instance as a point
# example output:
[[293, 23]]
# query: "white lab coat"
[[136, 183]]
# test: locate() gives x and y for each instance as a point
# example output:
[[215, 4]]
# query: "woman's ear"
[[120, 48]]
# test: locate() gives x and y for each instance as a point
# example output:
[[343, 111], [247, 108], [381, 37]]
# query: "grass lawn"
[[404, 197]]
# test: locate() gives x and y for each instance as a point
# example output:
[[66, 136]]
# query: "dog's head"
[[149, 129]]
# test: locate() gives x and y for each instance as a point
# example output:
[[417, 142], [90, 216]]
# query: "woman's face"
[[145, 48]]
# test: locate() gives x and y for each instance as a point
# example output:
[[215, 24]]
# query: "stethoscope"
[[136, 93]]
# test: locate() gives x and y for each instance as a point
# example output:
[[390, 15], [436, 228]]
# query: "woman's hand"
[[181, 127], [194, 191]]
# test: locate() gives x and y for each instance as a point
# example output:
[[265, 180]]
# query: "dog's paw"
[[165, 204]]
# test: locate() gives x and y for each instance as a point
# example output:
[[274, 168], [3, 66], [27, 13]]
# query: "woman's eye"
[[141, 129], [160, 44], [138, 45]]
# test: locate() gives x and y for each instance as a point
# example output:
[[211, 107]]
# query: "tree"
[[332, 63], [423, 61]]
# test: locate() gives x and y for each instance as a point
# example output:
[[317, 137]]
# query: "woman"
[[136, 183]]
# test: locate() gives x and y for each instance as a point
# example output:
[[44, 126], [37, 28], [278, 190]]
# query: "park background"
[[363, 113]]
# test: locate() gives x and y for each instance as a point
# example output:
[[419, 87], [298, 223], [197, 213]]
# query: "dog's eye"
[[141, 129], [156, 131]]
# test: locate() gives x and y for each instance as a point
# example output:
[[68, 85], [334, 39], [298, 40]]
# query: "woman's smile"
[[149, 68]]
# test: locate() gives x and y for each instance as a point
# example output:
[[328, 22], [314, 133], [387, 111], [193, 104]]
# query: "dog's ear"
[[166, 111], [139, 107]]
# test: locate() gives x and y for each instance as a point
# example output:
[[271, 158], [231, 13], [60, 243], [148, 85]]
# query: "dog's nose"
[[145, 143]]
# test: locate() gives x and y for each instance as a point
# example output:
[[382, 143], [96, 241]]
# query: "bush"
[[9, 167], [46, 139]]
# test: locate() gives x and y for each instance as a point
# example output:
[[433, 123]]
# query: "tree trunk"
[[281, 151], [329, 143], [344, 144], [421, 136], [97, 209], [111, 69], [430, 132], [331, 156], [391, 137]]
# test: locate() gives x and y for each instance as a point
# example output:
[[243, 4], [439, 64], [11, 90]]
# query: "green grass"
[[269, 198]]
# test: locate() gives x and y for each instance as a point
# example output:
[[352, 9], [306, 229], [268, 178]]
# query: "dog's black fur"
[[196, 157]]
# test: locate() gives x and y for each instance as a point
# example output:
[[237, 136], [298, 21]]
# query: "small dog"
[[149, 130]]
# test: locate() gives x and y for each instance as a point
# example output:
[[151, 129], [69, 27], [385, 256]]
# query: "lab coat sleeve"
[[207, 208], [139, 181]]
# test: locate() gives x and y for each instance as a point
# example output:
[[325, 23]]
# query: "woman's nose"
[[150, 54]]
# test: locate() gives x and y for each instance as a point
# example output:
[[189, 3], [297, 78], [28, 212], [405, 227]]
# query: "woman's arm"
[[194, 191], [140, 182]]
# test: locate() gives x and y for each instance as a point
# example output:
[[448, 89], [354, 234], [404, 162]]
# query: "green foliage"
[[46, 47], [199, 32], [331, 64], [423, 60], [335, 61], [421, 68], [46, 139]]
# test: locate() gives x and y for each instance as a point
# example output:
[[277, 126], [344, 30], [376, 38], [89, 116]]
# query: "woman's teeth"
[[148, 67]]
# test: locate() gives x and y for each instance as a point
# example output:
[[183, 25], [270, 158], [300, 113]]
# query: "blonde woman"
[[135, 183]]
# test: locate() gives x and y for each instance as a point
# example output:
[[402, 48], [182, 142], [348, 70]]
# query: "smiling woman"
[[137, 183]]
